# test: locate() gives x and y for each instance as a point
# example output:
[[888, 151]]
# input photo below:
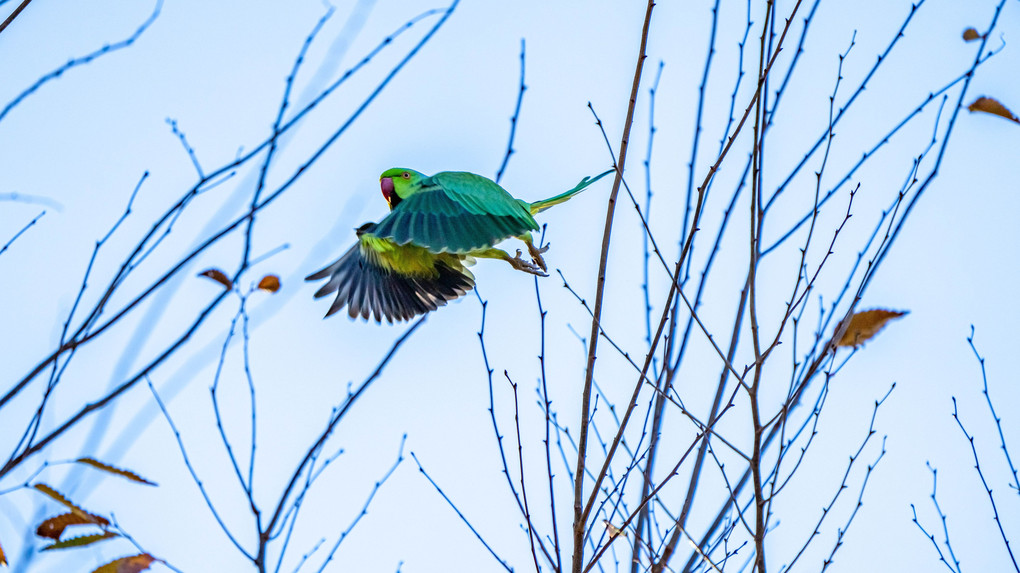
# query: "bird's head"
[[399, 183]]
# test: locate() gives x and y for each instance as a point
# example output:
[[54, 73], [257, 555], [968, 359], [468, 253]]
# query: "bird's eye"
[[406, 175]]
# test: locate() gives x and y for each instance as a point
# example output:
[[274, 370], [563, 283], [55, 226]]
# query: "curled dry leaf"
[[865, 325], [270, 283], [54, 527], [970, 34], [992, 106], [218, 276], [132, 564], [612, 529], [115, 471]]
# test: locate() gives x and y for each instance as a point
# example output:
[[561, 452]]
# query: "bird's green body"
[[414, 259], [453, 212]]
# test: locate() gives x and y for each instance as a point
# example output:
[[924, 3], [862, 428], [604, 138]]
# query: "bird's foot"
[[529, 267], [536, 255]]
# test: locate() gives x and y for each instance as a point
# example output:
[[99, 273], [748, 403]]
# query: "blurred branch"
[[32, 199], [85, 334], [74, 62]]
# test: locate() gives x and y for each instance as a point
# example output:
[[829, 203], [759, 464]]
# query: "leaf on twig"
[[613, 530], [865, 325], [132, 564], [54, 527], [970, 34], [218, 276], [270, 283], [57, 497], [116, 471], [81, 540], [992, 106]]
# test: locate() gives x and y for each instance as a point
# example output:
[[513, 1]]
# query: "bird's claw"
[[536, 255], [529, 267]]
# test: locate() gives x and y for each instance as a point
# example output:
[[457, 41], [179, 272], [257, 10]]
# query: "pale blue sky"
[[218, 69]]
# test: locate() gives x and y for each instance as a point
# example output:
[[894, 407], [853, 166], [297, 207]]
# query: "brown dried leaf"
[[132, 564], [612, 529], [81, 540], [218, 276], [54, 527], [116, 471], [57, 497], [970, 34], [3, 559], [270, 283], [992, 106], [865, 325]]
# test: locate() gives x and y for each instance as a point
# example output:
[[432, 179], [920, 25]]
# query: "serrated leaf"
[[54, 527], [865, 325], [270, 283], [132, 564], [116, 471], [992, 106], [970, 34], [57, 497], [81, 540], [218, 276]]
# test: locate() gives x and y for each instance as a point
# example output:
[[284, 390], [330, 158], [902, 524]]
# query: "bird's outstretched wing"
[[456, 212], [366, 282]]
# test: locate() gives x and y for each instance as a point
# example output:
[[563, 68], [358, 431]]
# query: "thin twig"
[[513, 121], [8, 244], [546, 409], [984, 483], [998, 421], [194, 475], [364, 508], [582, 510], [285, 494], [461, 515]]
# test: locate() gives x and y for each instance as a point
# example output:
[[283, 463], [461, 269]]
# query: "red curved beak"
[[387, 190]]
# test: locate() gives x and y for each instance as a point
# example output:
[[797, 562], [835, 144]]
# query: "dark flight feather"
[[369, 290]]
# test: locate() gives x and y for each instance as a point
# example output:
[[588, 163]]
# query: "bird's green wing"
[[456, 212], [381, 279]]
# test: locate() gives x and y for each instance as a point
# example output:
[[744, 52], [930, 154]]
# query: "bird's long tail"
[[539, 206]]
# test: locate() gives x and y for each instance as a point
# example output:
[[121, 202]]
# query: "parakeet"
[[414, 260]]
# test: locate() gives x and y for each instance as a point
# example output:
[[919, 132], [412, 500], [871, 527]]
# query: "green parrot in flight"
[[414, 260]]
